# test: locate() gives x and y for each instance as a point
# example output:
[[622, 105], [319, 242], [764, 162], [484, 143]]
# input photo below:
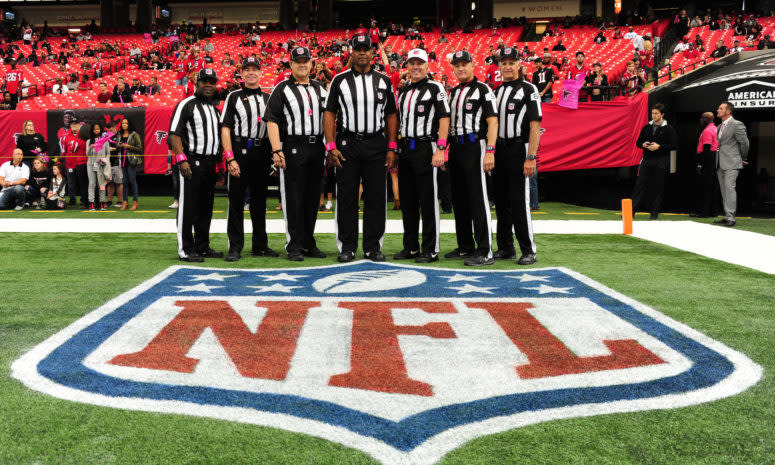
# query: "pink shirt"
[[708, 136]]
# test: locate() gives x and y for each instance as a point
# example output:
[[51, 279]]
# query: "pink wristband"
[[442, 142], [393, 145], [180, 158], [489, 151], [228, 156], [330, 146]]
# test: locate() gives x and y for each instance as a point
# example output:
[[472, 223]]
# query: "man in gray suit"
[[732, 155]]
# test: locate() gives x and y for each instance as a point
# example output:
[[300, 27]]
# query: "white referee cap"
[[417, 53]]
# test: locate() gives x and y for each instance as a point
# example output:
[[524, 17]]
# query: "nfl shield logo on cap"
[[418, 53], [208, 73]]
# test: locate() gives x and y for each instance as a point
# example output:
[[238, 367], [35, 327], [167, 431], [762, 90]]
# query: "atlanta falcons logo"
[[16, 136], [160, 136], [566, 94]]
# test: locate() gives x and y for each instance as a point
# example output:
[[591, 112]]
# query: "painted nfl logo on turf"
[[405, 363]]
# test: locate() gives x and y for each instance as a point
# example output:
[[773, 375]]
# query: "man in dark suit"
[[733, 148]]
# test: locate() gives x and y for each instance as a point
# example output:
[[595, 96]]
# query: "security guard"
[[473, 130], [362, 107], [519, 118], [196, 143], [294, 120], [424, 124], [246, 154]]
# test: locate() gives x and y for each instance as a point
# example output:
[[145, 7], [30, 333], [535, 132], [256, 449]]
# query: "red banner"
[[596, 135], [157, 123], [12, 123]]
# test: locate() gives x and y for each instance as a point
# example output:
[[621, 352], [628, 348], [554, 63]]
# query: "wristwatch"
[[530, 157]]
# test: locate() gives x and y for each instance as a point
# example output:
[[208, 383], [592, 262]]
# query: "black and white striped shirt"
[[297, 108], [420, 106], [518, 102], [471, 104], [243, 113], [361, 101], [195, 120]]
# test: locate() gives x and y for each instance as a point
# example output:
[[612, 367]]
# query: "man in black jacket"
[[657, 139]]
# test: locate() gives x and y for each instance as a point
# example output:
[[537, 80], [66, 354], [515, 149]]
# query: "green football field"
[[50, 280]]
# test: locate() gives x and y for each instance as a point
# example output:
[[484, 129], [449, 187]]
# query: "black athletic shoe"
[[375, 256], [233, 256], [295, 256], [265, 252], [504, 255], [723, 221], [345, 256], [427, 257], [315, 253], [730, 223], [479, 260], [192, 258], [457, 253], [654, 216], [527, 259], [210, 253], [406, 254]]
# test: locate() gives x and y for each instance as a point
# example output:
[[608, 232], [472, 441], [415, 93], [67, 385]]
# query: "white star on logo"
[[462, 277], [201, 287], [279, 287], [281, 277], [465, 289], [211, 277], [544, 289], [525, 278]]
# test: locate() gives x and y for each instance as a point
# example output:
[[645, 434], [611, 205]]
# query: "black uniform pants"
[[707, 185], [195, 208], [650, 185], [445, 194], [300, 192], [418, 187], [254, 171], [469, 197], [512, 198], [364, 163]]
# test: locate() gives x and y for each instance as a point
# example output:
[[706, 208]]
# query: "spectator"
[[600, 38], [84, 85], [130, 148], [579, 69], [443, 39], [72, 82], [74, 153], [682, 46], [8, 102], [137, 87], [30, 142], [208, 47], [706, 168], [597, 80], [657, 139], [104, 95], [38, 184], [696, 22], [322, 73], [543, 78], [98, 166], [446, 84], [13, 177], [765, 43], [736, 48], [733, 148], [227, 62], [451, 52], [153, 87], [59, 88], [135, 51], [618, 34], [55, 197], [631, 81], [720, 51], [559, 47], [121, 94], [647, 57]]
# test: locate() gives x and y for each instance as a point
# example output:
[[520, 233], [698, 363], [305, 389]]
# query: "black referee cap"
[[509, 53], [250, 61], [208, 74], [300, 52], [361, 41], [461, 55]]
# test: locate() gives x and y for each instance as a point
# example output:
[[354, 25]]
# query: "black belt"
[[307, 139], [359, 135], [509, 141], [249, 142], [469, 138], [412, 141]]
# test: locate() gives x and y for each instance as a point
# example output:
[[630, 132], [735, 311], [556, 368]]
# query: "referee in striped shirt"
[[246, 153], [424, 124], [519, 125], [294, 120], [473, 130], [195, 140], [362, 108]]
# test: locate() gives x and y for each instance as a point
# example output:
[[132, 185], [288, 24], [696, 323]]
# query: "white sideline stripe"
[[744, 248]]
